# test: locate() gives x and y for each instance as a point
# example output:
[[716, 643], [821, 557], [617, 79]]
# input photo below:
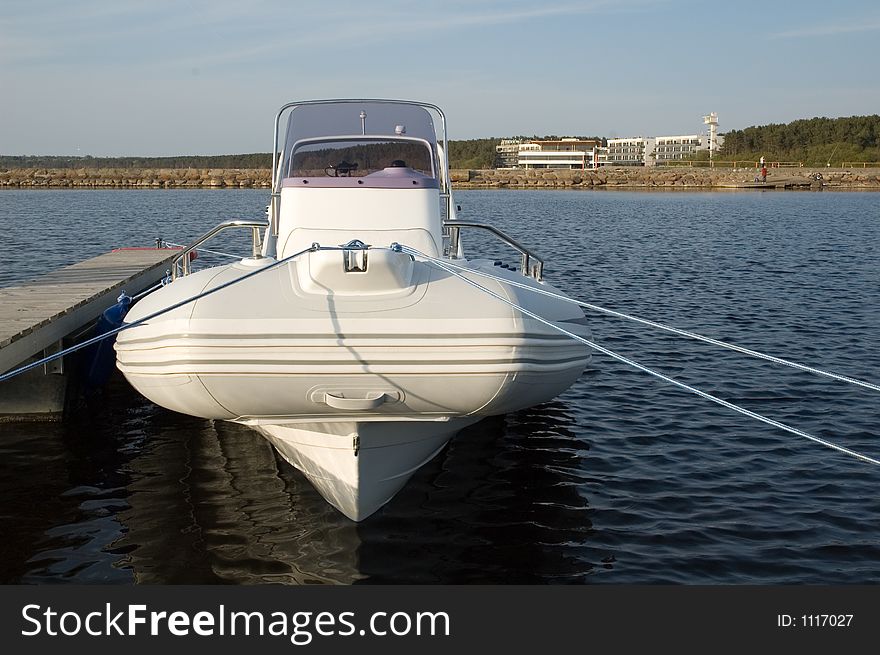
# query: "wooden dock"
[[45, 313], [771, 183]]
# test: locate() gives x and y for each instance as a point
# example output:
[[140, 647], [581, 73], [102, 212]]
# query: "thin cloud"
[[236, 33], [829, 30], [349, 29]]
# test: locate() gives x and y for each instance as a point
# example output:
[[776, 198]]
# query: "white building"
[[683, 146], [648, 151], [507, 153], [589, 153], [563, 153], [631, 151]]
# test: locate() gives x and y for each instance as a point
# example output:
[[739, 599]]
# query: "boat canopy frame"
[[439, 133]]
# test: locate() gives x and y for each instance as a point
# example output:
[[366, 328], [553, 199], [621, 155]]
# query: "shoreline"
[[134, 178], [679, 178]]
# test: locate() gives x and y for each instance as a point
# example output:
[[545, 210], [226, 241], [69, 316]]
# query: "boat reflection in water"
[[233, 511], [215, 505]]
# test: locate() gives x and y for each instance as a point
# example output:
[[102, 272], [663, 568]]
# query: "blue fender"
[[99, 360]]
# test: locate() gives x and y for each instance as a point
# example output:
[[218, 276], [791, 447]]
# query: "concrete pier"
[[56, 310]]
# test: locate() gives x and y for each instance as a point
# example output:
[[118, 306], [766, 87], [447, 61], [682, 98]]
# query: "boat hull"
[[359, 466]]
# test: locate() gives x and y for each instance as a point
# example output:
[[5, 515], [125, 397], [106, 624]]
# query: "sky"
[[194, 77]]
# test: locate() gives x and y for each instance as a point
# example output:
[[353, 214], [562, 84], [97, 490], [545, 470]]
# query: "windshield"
[[357, 158]]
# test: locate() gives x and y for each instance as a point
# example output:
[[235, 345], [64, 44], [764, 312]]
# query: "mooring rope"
[[146, 292], [629, 362], [660, 326]]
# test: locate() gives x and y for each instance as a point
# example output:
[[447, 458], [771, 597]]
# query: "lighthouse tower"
[[712, 121]]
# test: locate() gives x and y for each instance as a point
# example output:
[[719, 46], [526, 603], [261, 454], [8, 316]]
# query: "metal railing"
[[183, 258], [532, 265], [702, 163], [706, 163]]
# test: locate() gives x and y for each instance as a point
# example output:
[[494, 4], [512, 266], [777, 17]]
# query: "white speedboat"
[[357, 360]]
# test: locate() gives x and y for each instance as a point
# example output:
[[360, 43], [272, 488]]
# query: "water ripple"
[[622, 479]]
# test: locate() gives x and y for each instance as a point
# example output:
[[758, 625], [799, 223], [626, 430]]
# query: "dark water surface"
[[623, 479]]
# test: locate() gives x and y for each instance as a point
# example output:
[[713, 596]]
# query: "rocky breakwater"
[[665, 178], [602, 178], [149, 178]]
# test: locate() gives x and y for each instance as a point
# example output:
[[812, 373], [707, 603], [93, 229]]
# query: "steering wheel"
[[343, 168]]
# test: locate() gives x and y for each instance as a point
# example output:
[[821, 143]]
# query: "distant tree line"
[[813, 141], [468, 153], [554, 137], [474, 153], [256, 160]]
